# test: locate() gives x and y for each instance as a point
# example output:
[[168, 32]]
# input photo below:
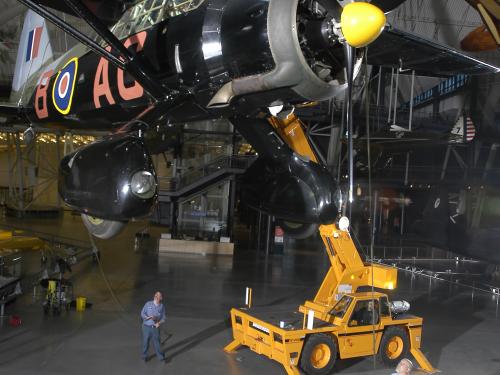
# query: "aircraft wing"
[[396, 48]]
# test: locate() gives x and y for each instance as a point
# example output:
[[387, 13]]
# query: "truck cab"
[[367, 326]]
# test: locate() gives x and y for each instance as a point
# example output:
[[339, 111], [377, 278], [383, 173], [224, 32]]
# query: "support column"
[[68, 143], [232, 204], [20, 171], [268, 234], [58, 155], [380, 103], [12, 192], [402, 196], [259, 231], [173, 217]]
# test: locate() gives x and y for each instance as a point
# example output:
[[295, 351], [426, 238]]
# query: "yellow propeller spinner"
[[361, 23]]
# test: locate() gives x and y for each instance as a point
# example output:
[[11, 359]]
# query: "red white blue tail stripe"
[[33, 46], [470, 129], [34, 51]]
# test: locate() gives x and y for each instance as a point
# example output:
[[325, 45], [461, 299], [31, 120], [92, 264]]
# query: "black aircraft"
[[157, 63], [464, 221], [460, 196]]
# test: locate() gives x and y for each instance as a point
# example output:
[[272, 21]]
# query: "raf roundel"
[[64, 85]]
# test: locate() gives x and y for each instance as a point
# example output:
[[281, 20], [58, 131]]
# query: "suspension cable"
[[368, 150]]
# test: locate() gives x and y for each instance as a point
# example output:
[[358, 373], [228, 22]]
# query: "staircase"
[[175, 193], [199, 179]]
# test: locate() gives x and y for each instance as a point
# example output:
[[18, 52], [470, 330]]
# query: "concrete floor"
[[461, 328]]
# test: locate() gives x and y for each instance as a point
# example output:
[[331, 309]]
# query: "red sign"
[[278, 234]]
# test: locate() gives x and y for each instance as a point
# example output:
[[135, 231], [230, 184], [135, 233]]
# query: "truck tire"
[[319, 354], [394, 346]]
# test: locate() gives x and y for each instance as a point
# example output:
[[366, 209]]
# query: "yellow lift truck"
[[340, 322]]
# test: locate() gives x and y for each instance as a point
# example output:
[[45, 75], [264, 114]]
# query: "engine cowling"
[[112, 179], [246, 48]]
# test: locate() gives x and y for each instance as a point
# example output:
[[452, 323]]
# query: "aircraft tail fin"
[[464, 130], [34, 51]]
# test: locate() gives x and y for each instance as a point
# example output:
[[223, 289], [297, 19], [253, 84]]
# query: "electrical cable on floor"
[[124, 316]]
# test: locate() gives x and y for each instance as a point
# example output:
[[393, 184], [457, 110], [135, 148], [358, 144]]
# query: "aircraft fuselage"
[[230, 56]]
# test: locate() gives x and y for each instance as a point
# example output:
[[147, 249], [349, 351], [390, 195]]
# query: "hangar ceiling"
[[445, 21]]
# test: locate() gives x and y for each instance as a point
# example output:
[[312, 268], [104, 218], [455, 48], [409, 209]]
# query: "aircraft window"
[[341, 307], [150, 12]]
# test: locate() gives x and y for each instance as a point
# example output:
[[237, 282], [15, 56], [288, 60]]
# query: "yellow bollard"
[[51, 289], [81, 302]]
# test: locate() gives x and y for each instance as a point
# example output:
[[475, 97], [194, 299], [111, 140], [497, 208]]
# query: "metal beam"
[[459, 159], [445, 163], [125, 60], [491, 158], [131, 64], [317, 150]]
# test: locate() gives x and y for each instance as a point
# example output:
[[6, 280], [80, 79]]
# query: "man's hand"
[[157, 325], [148, 317]]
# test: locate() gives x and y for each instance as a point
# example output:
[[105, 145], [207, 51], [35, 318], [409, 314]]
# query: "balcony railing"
[[229, 163]]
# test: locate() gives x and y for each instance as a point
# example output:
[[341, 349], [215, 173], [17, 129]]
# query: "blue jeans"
[[151, 333]]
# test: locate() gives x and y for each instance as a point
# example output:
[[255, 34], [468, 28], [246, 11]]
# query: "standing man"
[[153, 315], [404, 367]]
